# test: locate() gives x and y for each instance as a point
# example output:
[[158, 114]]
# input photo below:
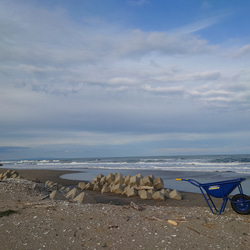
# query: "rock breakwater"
[[148, 187]]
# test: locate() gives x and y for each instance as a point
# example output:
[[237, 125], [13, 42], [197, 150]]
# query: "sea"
[[202, 168]]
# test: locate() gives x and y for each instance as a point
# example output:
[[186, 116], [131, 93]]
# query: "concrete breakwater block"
[[119, 179], [158, 183], [105, 188], [134, 181], [84, 198], [9, 174], [72, 193], [165, 192], [158, 196], [145, 195], [98, 178], [89, 186], [56, 195], [127, 179], [146, 181], [175, 195], [110, 178], [53, 185], [97, 187], [118, 189], [103, 180], [131, 192], [81, 185]]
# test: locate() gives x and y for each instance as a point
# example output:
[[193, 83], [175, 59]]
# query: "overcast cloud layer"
[[123, 78]]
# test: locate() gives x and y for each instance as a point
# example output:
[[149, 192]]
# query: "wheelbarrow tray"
[[221, 189]]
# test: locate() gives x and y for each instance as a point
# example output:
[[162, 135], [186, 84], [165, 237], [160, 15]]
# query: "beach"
[[39, 223]]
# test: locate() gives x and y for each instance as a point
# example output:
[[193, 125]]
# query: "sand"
[[111, 223]]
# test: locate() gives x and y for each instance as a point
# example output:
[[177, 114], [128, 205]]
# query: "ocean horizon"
[[203, 168]]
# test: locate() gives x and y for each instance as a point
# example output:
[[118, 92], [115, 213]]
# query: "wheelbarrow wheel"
[[240, 205]]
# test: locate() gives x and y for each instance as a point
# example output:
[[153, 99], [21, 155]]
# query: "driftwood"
[[200, 233], [172, 222], [135, 206], [38, 205]]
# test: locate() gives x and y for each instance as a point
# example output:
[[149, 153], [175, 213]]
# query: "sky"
[[111, 78]]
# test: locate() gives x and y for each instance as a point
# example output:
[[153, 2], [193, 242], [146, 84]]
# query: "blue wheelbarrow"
[[222, 189]]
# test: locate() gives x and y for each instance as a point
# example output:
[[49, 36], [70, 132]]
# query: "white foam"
[[201, 164]]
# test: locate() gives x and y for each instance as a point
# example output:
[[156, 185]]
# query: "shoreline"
[[190, 199], [43, 175]]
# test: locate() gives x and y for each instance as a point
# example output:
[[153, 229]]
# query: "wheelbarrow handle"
[[194, 182]]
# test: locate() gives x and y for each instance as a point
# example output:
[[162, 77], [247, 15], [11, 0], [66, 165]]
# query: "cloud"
[[123, 81], [214, 75], [137, 42], [169, 91], [208, 20], [242, 52], [180, 77]]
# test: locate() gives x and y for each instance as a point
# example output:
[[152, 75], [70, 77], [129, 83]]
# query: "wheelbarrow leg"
[[212, 207], [225, 199]]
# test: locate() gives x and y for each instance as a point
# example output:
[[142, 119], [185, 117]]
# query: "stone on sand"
[[84, 198], [97, 187], [56, 195], [165, 192], [97, 178], [103, 180], [72, 193], [126, 180], [131, 192], [105, 188], [175, 195], [158, 196], [110, 178], [145, 195], [119, 179], [158, 183], [81, 185], [146, 181], [134, 181], [89, 186], [118, 189]]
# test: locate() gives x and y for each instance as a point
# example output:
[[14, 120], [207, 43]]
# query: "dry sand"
[[49, 224]]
